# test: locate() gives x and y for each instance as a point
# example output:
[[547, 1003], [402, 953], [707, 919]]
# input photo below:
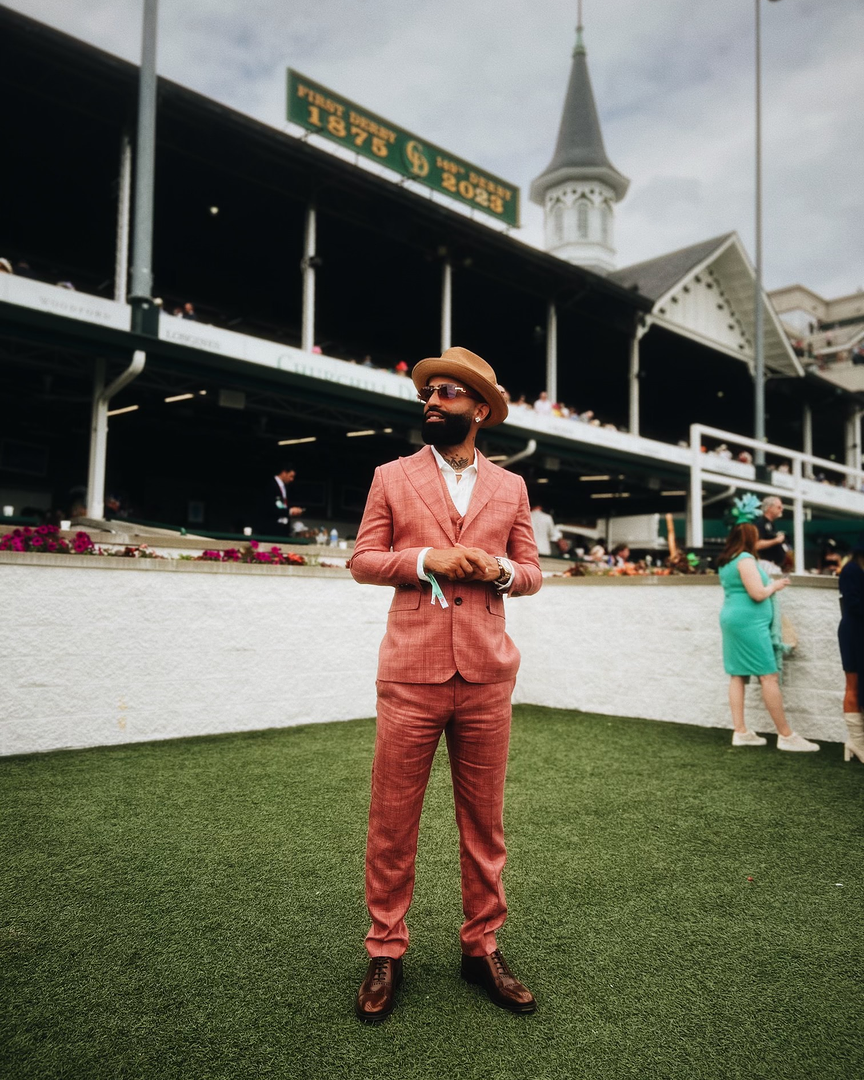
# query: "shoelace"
[[379, 974], [500, 965]]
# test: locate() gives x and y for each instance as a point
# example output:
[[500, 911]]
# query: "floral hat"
[[746, 508]]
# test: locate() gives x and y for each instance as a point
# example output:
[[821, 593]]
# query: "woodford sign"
[[320, 110]]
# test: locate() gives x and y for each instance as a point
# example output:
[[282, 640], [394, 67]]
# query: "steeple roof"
[[579, 152]]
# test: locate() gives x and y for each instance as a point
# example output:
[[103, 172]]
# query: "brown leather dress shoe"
[[504, 989], [375, 996]]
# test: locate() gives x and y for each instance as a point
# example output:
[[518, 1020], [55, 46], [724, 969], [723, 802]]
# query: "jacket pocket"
[[495, 603], [406, 599]]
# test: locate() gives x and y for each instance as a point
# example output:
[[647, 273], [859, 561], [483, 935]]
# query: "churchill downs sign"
[[318, 109]]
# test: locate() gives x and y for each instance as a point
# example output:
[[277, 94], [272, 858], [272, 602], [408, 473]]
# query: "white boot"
[[855, 744]]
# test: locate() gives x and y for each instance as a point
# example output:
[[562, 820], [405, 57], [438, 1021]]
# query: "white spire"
[[580, 186]]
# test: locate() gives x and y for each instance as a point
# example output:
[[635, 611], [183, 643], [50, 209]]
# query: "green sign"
[[318, 109]]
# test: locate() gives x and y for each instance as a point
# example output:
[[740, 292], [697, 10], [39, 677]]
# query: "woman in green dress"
[[745, 621]]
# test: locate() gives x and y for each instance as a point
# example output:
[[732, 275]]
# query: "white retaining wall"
[[97, 651], [651, 647]]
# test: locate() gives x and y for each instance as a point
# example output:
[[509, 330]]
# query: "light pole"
[[144, 313], [759, 314]]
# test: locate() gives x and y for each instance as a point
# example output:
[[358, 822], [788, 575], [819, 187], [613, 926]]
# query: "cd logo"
[[416, 159]]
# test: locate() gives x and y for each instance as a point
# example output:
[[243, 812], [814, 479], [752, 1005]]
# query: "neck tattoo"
[[457, 464]]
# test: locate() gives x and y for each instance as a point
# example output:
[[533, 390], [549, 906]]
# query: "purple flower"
[[37, 542], [253, 544], [17, 544], [51, 545], [42, 530]]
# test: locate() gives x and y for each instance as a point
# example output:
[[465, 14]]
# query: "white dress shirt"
[[461, 484], [546, 532], [284, 490], [460, 487]]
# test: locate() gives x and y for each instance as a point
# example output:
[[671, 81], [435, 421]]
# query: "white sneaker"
[[747, 738], [795, 742]]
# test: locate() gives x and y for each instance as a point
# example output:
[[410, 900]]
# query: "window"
[[582, 219], [558, 224], [606, 223]]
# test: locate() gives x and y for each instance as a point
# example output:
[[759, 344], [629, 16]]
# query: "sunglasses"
[[447, 391]]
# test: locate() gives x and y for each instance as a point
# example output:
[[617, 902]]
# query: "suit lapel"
[[485, 486], [422, 471]]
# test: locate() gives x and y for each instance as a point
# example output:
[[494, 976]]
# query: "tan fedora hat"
[[470, 369]]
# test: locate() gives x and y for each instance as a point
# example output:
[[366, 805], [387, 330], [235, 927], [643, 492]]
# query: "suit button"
[[458, 601]]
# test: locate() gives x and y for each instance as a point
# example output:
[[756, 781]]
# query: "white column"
[[98, 445], [633, 422], [859, 475], [552, 352], [446, 305], [807, 438], [853, 440], [694, 502], [307, 334], [798, 533], [99, 428], [798, 517], [124, 203]]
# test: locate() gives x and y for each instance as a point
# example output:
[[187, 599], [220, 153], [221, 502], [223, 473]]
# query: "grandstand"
[[223, 398]]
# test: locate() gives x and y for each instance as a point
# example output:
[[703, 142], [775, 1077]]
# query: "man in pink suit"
[[451, 533]]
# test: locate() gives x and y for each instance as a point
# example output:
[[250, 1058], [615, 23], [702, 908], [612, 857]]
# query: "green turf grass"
[[194, 909]]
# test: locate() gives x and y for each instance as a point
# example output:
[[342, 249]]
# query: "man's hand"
[[486, 565], [295, 511], [781, 538], [462, 564]]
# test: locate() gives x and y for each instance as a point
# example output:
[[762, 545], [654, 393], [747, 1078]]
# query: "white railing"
[[69, 303], [793, 485]]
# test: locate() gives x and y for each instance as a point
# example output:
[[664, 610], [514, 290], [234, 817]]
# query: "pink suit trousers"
[[475, 719]]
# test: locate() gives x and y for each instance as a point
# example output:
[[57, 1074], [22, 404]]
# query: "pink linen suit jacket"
[[409, 509]]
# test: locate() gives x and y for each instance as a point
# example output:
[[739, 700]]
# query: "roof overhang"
[[603, 174], [798, 298]]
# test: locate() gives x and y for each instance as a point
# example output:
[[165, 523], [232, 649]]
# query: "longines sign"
[[318, 109]]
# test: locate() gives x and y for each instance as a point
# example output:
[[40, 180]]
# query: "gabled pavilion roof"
[[655, 277], [705, 292]]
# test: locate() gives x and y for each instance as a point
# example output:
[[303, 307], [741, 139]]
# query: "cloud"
[[673, 80], [667, 197]]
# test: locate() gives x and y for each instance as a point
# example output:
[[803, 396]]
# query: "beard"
[[453, 431]]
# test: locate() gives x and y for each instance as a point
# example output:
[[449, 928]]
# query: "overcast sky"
[[485, 79]]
